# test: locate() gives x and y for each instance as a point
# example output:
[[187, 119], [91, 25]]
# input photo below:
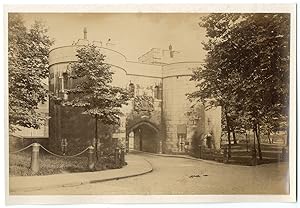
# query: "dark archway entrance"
[[144, 136]]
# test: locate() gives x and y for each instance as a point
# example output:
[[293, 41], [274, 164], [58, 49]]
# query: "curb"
[[186, 157], [74, 184], [198, 159], [29, 189], [123, 177]]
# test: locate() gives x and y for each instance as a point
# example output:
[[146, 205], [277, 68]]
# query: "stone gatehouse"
[[162, 76]]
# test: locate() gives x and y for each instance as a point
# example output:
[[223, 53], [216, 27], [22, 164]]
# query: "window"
[[66, 80], [156, 92], [131, 89]]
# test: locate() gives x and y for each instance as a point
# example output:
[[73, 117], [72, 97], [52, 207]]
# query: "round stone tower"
[[181, 121]]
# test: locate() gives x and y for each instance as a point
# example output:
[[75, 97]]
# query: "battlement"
[[160, 56]]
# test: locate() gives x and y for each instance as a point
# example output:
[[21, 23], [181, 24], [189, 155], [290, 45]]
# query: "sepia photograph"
[[160, 103]]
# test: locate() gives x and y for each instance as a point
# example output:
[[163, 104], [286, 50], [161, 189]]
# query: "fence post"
[[91, 161], [122, 156], [117, 159], [35, 160]]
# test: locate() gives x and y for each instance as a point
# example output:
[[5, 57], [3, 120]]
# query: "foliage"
[[246, 70], [28, 66], [94, 93], [261, 47]]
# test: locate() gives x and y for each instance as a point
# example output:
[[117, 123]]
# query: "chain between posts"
[[119, 156], [20, 150], [52, 153], [62, 156]]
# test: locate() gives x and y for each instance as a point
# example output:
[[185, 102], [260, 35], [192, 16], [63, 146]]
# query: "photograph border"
[[163, 8]]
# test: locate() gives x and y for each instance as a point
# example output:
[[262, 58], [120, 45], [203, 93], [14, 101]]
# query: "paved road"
[[183, 176]]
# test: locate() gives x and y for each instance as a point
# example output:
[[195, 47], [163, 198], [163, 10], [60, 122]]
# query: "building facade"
[[159, 81]]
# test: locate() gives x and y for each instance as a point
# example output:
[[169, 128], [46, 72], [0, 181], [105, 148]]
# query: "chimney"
[[85, 33]]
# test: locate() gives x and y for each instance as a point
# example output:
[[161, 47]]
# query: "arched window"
[[66, 80], [156, 92], [66, 86]]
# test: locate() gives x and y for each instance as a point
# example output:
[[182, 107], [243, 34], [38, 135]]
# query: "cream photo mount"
[[163, 9]]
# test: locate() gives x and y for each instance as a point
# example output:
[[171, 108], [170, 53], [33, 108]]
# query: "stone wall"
[[178, 125]]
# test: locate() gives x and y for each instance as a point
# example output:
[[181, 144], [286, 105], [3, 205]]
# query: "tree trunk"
[[269, 138], [247, 142], [257, 132], [59, 123], [254, 143], [96, 136], [229, 145], [233, 135], [228, 136]]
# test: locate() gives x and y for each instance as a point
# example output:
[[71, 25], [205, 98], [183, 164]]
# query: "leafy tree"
[[93, 91], [246, 69], [215, 79], [28, 51], [260, 44]]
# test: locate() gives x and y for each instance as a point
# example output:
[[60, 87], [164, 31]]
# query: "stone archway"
[[146, 137]]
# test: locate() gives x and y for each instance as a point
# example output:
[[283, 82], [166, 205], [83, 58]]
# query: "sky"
[[132, 33]]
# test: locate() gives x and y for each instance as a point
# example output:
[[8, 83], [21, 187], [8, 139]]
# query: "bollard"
[[122, 156], [254, 157], [35, 161], [160, 147], [91, 158], [117, 159]]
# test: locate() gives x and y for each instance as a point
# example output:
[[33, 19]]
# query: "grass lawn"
[[19, 164], [271, 153], [241, 153]]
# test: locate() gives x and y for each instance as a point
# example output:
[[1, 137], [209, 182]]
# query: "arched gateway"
[[144, 136]]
